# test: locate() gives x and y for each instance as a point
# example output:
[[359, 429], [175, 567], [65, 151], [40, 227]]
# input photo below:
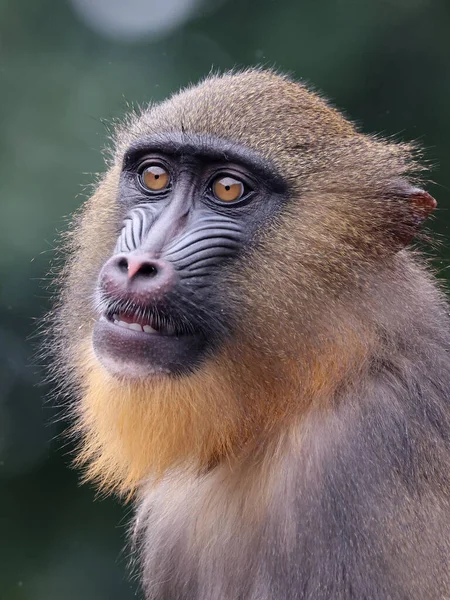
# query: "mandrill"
[[257, 356]]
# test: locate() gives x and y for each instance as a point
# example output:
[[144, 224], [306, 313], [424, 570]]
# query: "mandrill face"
[[187, 207]]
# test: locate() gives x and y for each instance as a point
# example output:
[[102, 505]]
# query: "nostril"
[[148, 270], [123, 265]]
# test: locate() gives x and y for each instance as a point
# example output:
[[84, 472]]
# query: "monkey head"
[[190, 204], [215, 265]]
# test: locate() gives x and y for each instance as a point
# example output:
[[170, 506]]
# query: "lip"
[[135, 354]]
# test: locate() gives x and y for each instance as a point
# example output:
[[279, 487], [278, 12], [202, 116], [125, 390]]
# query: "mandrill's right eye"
[[154, 178]]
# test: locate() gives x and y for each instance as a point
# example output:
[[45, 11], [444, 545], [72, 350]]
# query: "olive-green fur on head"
[[265, 111]]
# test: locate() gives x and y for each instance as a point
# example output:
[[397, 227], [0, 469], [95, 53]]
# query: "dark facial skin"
[[167, 272]]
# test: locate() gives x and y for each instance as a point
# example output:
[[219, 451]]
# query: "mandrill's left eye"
[[228, 189]]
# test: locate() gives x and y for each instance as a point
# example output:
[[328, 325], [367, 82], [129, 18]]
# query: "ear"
[[421, 203], [416, 206]]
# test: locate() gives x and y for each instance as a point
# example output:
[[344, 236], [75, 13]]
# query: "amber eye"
[[228, 189], [155, 178]]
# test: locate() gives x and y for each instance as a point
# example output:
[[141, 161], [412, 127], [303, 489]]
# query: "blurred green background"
[[65, 67]]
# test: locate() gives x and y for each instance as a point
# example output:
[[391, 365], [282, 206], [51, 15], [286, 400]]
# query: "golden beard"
[[135, 429]]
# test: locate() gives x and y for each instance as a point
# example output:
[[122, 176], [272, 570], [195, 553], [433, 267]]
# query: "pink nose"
[[137, 273]]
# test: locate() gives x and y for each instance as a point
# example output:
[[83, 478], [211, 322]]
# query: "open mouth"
[[131, 340], [151, 324], [148, 321]]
